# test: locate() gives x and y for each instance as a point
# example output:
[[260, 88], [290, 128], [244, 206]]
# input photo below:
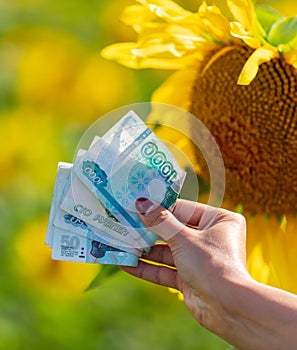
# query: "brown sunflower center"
[[255, 127]]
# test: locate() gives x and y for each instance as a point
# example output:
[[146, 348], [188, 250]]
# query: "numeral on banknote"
[[69, 242], [94, 173], [157, 159]]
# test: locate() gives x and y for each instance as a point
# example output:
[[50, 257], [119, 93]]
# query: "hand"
[[198, 259], [205, 258]]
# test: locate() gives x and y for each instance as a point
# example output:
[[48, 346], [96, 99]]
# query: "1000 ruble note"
[[143, 168], [82, 203]]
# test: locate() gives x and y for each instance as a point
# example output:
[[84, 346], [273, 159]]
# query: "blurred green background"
[[53, 86]]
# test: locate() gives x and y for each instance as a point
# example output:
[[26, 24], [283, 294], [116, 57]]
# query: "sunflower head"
[[240, 78]]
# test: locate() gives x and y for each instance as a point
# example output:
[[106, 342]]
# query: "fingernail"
[[144, 205]]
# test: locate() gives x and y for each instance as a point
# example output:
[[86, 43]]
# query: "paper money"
[[80, 202], [68, 246], [93, 216], [143, 167], [69, 236], [61, 180], [69, 222]]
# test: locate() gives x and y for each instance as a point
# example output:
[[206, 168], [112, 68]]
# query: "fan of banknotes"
[[93, 217]]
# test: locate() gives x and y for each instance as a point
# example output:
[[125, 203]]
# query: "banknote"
[[136, 150], [62, 225], [83, 204], [80, 202], [93, 217], [68, 246], [105, 195], [61, 179], [67, 221], [128, 163]]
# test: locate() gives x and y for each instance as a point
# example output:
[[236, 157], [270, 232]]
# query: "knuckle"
[[240, 219], [230, 215], [159, 217], [241, 222]]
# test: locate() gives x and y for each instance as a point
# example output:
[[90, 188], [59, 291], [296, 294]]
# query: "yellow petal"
[[214, 22], [179, 39], [250, 69], [290, 238], [243, 11], [237, 30], [137, 17], [167, 10], [129, 55], [155, 47], [161, 46], [122, 53], [283, 224], [256, 264], [266, 251], [170, 93], [291, 57], [271, 252], [188, 36]]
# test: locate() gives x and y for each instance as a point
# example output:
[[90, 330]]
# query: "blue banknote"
[[67, 235], [70, 222], [83, 204], [93, 217], [68, 246], [128, 163]]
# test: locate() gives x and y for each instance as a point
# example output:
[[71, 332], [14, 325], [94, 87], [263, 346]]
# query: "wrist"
[[225, 305]]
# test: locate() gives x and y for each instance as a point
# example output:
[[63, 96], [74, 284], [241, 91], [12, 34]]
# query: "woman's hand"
[[206, 248], [205, 259]]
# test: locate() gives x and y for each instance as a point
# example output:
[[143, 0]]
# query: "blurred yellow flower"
[[237, 73], [48, 69], [99, 86], [28, 149], [57, 73]]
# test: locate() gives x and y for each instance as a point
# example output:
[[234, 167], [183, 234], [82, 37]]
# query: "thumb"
[[160, 220]]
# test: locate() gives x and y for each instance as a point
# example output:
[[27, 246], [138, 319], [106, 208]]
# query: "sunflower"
[[237, 73]]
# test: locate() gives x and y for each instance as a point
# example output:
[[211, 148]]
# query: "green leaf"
[[267, 16], [105, 272], [283, 31], [291, 45]]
